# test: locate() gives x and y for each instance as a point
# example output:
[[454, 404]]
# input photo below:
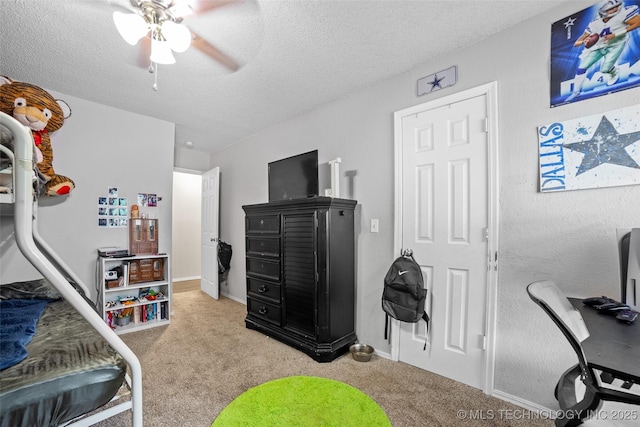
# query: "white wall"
[[187, 202], [569, 237], [190, 159], [98, 147]]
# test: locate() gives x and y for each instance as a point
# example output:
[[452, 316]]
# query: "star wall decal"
[[606, 146], [435, 83]]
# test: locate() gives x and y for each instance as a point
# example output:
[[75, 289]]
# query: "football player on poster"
[[604, 58]]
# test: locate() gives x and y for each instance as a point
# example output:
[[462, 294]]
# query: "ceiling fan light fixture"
[[132, 27], [161, 52], [177, 35]]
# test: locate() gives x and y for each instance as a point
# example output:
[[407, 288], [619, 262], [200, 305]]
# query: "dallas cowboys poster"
[[602, 150], [595, 51]]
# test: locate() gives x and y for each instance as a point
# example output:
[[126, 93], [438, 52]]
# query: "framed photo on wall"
[[595, 51]]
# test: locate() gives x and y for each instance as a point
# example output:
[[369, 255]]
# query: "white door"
[[210, 212], [444, 219]]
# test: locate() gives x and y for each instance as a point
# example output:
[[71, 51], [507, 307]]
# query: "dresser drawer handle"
[[262, 310], [262, 289]]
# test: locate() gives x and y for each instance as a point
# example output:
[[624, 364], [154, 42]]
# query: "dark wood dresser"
[[300, 257]]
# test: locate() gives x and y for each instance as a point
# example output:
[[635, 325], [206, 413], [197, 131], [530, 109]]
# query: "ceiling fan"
[[158, 26]]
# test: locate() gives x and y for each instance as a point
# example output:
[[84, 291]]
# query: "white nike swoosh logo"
[[402, 272]]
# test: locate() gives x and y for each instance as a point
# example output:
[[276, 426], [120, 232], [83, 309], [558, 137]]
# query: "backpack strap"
[[425, 317], [386, 326]]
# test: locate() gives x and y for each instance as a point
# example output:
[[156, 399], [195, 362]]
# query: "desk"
[[612, 347]]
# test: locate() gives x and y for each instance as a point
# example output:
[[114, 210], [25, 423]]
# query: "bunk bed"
[[74, 364]]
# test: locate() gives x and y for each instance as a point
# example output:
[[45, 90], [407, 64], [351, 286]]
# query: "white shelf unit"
[[158, 311]]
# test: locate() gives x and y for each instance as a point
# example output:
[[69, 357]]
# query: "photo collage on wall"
[[147, 200], [113, 211]]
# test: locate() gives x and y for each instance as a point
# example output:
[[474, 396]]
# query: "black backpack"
[[404, 296], [224, 257]]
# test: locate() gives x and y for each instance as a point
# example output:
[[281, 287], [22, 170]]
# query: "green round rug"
[[302, 401]]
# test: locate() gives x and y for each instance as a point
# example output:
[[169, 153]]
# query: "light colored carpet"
[[195, 366], [186, 286]]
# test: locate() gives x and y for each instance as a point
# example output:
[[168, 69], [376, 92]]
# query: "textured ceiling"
[[296, 55]]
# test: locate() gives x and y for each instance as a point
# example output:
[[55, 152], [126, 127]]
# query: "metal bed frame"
[[52, 267]]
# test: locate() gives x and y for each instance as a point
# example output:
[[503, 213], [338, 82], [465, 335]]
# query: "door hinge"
[[486, 234], [484, 342], [486, 124]]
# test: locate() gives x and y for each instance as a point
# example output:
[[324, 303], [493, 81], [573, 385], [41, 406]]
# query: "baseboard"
[[544, 413], [383, 354], [184, 279], [226, 295]]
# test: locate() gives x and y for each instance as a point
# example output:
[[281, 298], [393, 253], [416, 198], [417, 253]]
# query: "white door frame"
[[491, 92]]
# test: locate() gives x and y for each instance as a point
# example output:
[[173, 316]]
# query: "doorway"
[[446, 212], [186, 228]]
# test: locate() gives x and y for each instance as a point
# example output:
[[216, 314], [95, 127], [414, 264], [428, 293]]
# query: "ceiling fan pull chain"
[[155, 83]]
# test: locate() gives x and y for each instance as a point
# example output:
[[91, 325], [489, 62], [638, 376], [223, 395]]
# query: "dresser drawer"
[[263, 246], [264, 268], [263, 224], [260, 289], [264, 310]]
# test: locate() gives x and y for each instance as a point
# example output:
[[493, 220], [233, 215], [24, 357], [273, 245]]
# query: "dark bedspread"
[[70, 369]]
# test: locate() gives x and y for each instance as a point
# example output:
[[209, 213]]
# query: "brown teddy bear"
[[35, 108]]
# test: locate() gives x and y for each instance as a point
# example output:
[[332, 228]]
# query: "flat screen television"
[[295, 177]]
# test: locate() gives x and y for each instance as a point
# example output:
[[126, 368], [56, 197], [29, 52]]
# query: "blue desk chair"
[[551, 299]]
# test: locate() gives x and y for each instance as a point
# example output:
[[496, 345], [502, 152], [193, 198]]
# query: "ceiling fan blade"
[[215, 53], [144, 52], [202, 6]]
